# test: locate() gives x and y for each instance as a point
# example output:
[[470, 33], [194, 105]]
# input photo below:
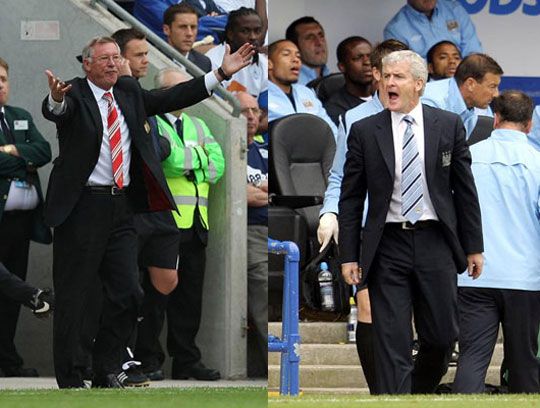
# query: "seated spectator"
[[257, 199], [244, 25], [473, 87], [506, 170], [422, 23], [150, 13], [308, 35], [286, 96], [443, 59], [180, 25], [353, 61], [260, 5]]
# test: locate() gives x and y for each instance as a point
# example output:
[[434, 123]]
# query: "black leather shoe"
[[132, 376], [106, 381], [197, 371], [156, 375], [20, 372]]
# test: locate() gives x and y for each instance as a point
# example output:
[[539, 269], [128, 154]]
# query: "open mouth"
[[295, 71], [393, 96]]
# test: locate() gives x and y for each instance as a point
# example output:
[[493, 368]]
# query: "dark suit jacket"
[[201, 60], [369, 168], [34, 152], [80, 134]]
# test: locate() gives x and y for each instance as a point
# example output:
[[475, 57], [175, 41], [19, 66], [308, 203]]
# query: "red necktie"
[[115, 141]]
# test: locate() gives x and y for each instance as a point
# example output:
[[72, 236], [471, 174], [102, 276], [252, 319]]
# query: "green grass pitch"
[[409, 401], [135, 398]]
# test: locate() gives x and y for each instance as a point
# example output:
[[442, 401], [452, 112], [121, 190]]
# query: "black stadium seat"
[[326, 86], [301, 153]]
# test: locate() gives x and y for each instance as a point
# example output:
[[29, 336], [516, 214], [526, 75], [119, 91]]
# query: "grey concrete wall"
[[222, 335]]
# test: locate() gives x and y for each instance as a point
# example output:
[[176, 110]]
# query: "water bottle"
[[352, 321], [326, 288]]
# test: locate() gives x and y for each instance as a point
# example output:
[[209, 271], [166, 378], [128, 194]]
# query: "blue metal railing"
[[289, 345]]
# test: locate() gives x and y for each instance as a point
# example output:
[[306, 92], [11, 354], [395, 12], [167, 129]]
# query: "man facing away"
[[507, 174], [423, 226]]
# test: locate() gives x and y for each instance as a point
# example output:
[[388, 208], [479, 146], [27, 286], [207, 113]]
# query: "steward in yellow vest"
[[195, 162]]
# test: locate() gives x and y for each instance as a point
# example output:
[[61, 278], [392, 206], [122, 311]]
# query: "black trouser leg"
[[479, 317], [366, 353], [15, 229], [185, 305]]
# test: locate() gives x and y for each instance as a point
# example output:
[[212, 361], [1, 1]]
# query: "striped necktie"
[[412, 195], [115, 142]]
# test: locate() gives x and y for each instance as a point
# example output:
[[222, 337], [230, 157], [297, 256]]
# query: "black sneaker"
[[43, 303], [107, 381], [132, 376]]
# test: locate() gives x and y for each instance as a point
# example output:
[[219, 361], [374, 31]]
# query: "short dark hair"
[[181, 8], [291, 34], [514, 106], [429, 56], [4, 65], [343, 46], [125, 35], [476, 66], [235, 15], [384, 48], [272, 48]]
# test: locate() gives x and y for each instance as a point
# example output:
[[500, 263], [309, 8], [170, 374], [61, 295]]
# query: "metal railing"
[[166, 49], [289, 345]]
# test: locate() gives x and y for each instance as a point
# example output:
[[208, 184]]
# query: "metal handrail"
[[167, 50], [289, 345]]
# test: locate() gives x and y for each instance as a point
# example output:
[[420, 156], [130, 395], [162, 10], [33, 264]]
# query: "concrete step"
[[324, 332], [345, 354], [348, 376], [316, 332]]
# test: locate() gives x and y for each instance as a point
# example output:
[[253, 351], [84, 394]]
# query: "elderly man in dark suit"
[[423, 225], [22, 151], [106, 170]]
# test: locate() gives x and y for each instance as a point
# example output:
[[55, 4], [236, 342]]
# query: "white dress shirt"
[[398, 130]]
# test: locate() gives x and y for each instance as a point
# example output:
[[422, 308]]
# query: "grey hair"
[[417, 64], [158, 79], [88, 50]]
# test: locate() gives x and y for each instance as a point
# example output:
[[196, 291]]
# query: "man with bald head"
[[257, 199]]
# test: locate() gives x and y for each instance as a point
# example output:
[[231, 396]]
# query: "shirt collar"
[[97, 91], [171, 118], [456, 99], [416, 113], [509, 135]]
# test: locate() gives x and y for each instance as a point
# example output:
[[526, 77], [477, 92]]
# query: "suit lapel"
[[123, 102], [385, 140], [91, 104], [432, 135]]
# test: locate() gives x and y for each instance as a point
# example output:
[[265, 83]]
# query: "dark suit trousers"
[[413, 271], [15, 231], [480, 312], [97, 239]]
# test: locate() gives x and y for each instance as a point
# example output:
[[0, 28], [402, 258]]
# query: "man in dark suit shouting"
[[105, 171], [423, 225]]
